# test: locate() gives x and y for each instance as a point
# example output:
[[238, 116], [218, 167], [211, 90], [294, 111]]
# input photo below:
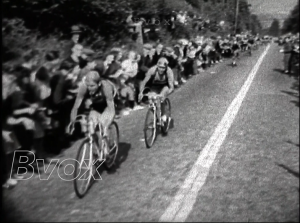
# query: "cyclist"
[[159, 79], [98, 95], [236, 48]]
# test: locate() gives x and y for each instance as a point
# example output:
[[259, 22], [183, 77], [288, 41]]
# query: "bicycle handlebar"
[[151, 95], [72, 123], [78, 119]]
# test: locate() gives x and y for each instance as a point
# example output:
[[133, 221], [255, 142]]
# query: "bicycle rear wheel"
[[167, 112], [113, 143], [84, 168], [150, 128]]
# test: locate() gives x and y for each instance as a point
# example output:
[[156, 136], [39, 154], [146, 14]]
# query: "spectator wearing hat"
[[75, 31]]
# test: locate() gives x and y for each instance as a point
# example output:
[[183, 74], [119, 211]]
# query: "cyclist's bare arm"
[[148, 76], [109, 112], [170, 76], [79, 98]]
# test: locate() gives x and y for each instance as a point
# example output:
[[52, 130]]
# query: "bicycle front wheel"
[[150, 128], [113, 144], [83, 168]]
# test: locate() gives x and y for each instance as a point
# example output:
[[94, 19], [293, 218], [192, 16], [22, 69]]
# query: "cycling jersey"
[[97, 99], [157, 81]]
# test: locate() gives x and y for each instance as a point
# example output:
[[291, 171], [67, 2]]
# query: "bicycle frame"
[[87, 125], [153, 100]]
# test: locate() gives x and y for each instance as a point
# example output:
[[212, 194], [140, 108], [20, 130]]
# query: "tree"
[[291, 24], [274, 29]]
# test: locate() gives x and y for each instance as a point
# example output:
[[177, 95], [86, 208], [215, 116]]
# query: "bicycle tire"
[[151, 116], [109, 163], [166, 126], [77, 175]]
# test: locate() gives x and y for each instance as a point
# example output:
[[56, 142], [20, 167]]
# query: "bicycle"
[[154, 118], [91, 154]]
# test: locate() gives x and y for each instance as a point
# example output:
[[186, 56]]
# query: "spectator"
[[27, 124], [102, 66], [188, 65], [157, 54], [173, 64], [145, 62], [128, 81], [151, 30], [75, 31], [179, 52], [9, 141], [287, 50]]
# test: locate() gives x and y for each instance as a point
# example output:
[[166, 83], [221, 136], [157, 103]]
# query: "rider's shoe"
[[164, 118]]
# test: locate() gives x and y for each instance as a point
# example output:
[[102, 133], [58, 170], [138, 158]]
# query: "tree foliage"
[[274, 28], [28, 23], [291, 24]]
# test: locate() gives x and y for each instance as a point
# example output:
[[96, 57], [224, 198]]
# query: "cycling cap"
[[162, 62]]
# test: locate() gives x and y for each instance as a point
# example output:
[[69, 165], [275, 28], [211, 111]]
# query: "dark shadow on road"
[[8, 212], [293, 74], [290, 142], [294, 91], [121, 157], [279, 70], [289, 170]]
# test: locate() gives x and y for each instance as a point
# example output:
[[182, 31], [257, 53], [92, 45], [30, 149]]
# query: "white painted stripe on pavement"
[[184, 200]]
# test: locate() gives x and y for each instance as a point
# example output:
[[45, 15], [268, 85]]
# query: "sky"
[[269, 9]]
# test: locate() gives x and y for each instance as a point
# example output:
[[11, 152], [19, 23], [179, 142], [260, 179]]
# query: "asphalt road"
[[255, 176]]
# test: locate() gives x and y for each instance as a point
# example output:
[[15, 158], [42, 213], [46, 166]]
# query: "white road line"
[[183, 202]]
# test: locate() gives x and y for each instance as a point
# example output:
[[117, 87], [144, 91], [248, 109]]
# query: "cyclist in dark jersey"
[[160, 80], [98, 96]]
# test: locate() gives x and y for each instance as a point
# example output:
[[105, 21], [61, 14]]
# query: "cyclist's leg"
[[164, 92], [94, 117], [98, 118]]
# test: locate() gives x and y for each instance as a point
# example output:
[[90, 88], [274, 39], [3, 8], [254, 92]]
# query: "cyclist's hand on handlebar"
[[140, 97], [31, 110], [34, 106]]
